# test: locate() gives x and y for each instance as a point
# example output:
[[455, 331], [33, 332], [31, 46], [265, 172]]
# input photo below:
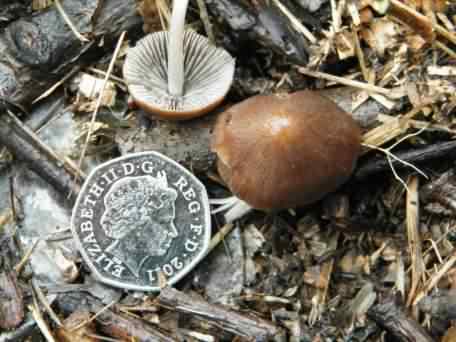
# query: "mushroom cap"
[[283, 151], [208, 73]]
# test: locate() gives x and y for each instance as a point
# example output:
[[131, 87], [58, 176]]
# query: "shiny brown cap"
[[208, 74], [283, 151]]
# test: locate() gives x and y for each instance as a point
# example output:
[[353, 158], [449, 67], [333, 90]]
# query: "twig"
[[198, 336], [36, 313], [356, 84], [445, 33], [295, 22], [391, 156], [100, 97], [206, 21], [70, 24], [112, 77], [12, 197], [220, 236], [242, 325], [28, 147], [432, 281], [18, 268], [360, 54], [164, 13], [57, 84], [100, 312], [429, 153], [42, 298], [128, 327], [67, 163], [103, 338], [445, 49]]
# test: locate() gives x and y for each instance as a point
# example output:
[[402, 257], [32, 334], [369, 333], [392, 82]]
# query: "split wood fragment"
[[243, 325]]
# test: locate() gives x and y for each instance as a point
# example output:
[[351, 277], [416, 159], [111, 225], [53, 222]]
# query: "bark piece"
[[243, 325], [11, 301]]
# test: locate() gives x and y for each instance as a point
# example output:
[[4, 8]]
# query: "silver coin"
[[139, 216]]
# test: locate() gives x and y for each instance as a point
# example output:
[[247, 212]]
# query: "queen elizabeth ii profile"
[[138, 217]]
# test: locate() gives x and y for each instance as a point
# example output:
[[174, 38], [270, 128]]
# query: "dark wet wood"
[[417, 156], [392, 318], [262, 23], [12, 9], [26, 146], [36, 51]]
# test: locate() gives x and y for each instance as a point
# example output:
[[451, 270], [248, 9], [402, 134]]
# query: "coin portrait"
[[138, 216], [135, 209]]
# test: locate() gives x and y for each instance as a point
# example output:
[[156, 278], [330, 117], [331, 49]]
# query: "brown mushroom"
[[283, 151]]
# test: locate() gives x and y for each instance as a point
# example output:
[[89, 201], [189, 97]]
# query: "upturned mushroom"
[[178, 74], [283, 151]]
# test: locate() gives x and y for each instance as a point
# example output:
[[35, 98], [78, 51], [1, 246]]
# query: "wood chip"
[[414, 237], [444, 70]]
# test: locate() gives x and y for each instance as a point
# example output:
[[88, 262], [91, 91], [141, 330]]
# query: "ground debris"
[[373, 261]]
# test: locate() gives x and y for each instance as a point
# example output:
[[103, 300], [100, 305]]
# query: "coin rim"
[[181, 273]]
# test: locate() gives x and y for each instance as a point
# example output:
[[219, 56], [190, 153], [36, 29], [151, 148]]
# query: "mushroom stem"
[[176, 48], [235, 207]]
